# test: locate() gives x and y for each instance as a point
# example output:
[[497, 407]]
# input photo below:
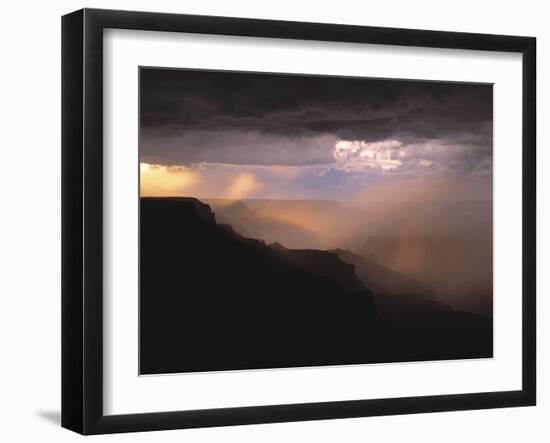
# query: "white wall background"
[[30, 219]]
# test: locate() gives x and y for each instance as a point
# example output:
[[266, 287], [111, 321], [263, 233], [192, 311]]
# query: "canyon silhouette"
[[212, 299]]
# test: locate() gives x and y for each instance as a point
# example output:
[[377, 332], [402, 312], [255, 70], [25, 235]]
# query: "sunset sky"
[[233, 135]]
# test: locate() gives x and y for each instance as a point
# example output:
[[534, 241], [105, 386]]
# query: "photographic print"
[[296, 220]]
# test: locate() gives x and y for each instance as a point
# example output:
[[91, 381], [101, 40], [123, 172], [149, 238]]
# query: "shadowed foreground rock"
[[211, 299]]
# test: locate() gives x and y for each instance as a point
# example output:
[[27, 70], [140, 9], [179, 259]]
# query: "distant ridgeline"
[[211, 299]]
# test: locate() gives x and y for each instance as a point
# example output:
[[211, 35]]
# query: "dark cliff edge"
[[382, 280], [211, 299]]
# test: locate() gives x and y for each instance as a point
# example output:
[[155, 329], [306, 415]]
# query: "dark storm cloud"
[[205, 116]]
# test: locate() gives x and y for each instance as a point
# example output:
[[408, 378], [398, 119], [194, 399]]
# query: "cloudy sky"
[[237, 135]]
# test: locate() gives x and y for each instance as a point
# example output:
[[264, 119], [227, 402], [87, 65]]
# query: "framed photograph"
[[269, 221]]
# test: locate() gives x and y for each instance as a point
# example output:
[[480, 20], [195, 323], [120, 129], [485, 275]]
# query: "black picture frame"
[[82, 219]]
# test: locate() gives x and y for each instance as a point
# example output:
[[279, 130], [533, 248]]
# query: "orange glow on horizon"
[[163, 181]]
